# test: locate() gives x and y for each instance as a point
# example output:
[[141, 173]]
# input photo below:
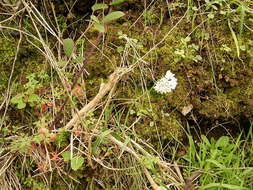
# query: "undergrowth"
[[80, 107], [225, 163]]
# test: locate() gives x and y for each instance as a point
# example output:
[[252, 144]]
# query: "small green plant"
[[76, 162], [150, 17], [99, 23], [130, 42], [224, 164], [68, 46], [29, 96], [101, 139], [187, 51], [69, 49]]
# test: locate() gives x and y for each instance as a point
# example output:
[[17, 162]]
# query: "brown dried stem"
[[104, 89]]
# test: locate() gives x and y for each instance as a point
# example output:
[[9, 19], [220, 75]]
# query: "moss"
[[219, 106], [158, 122], [7, 54], [164, 127]]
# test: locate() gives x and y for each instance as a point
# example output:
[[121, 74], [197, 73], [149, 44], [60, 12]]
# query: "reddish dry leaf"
[[78, 91]]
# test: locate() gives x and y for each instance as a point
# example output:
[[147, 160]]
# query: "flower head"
[[167, 83]]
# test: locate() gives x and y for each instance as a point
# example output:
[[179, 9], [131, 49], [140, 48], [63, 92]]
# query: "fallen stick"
[[104, 89]]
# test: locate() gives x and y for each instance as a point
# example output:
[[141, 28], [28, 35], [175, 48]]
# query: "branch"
[[104, 89]]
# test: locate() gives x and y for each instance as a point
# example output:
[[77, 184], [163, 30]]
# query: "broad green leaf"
[[79, 59], [68, 46], [66, 156], [117, 2], [99, 27], [17, 99], [94, 18], [77, 162], [187, 39], [243, 48], [112, 16], [99, 6], [33, 98], [21, 105]]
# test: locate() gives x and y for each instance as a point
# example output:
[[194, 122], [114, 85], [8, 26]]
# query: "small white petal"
[[166, 84], [169, 75]]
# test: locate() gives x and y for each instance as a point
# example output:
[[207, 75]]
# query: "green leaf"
[[222, 142], [62, 63], [77, 162], [99, 140], [235, 39], [227, 186], [79, 59], [149, 162], [66, 156], [99, 6], [21, 105], [38, 138], [210, 15], [117, 2], [22, 144], [119, 50], [205, 140], [127, 141], [242, 10], [17, 99], [112, 16], [216, 163], [68, 46], [99, 27], [94, 18], [33, 98]]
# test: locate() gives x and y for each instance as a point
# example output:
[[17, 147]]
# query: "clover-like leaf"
[[77, 162], [66, 156], [33, 98], [21, 105], [18, 99]]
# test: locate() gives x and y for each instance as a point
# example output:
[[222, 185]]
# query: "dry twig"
[[104, 89]]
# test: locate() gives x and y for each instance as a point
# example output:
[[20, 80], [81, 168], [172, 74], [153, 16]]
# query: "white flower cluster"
[[167, 83]]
